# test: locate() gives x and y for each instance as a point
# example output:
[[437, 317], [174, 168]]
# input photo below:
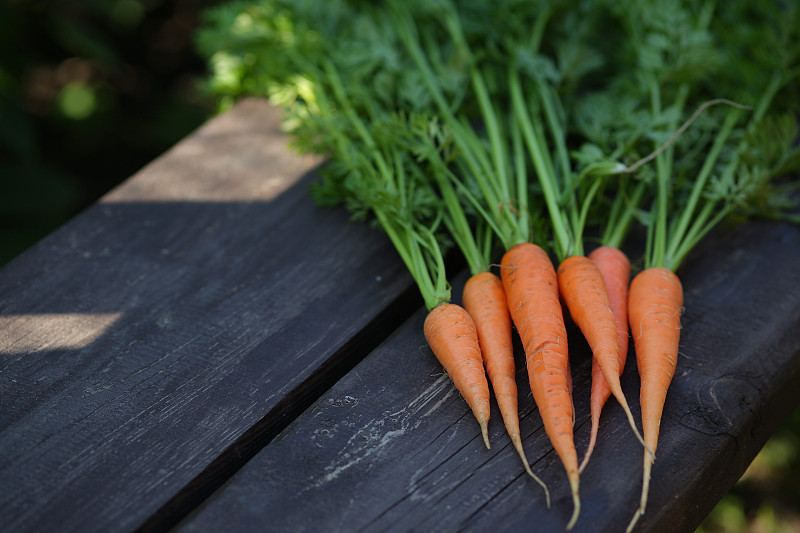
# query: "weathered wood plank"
[[393, 448], [159, 339]]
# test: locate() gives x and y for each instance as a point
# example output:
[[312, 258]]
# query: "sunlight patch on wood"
[[53, 331], [223, 161]]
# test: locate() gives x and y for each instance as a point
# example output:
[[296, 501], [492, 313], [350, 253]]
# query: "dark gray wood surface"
[[206, 350], [404, 454], [159, 339]]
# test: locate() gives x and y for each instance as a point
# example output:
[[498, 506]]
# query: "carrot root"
[[615, 268], [582, 287], [531, 288], [655, 302], [633, 521], [485, 301], [576, 503], [452, 336], [517, 442]]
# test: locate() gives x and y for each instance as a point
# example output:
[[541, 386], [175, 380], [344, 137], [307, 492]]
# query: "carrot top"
[[485, 167], [705, 151], [329, 65], [509, 127]]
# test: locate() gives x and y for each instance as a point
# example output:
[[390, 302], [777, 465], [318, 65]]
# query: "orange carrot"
[[485, 301], [615, 268], [584, 291], [531, 287], [452, 336], [655, 302]]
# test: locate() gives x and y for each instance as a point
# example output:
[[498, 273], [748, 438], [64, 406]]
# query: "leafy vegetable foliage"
[[477, 117]]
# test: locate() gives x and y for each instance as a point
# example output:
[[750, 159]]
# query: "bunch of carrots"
[[521, 130]]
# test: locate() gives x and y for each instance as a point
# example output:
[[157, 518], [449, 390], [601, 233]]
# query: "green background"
[[93, 90], [90, 91]]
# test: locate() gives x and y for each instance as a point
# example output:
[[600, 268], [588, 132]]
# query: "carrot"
[[485, 301], [584, 291], [615, 268], [655, 298], [508, 223], [654, 307], [452, 336], [531, 287]]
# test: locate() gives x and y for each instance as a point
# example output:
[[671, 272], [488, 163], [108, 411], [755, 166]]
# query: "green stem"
[[688, 214], [408, 249], [355, 120], [549, 190], [500, 178], [622, 213], [405, 29], [521, 173], [556, 132], [663, 190], [775, 84], [489, 218], [697, 233], [456, 220], [496, 141], [537, 34], [584, 213]]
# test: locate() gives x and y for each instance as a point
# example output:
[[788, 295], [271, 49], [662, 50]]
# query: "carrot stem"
[[550, 192]]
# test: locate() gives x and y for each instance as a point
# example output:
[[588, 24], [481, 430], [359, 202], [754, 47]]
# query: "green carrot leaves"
[[467, 121]]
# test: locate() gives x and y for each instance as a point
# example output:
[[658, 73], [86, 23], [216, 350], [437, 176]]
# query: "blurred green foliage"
[[90, 91]]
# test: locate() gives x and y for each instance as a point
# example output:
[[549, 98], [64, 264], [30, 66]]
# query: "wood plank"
[[393, 448], [155, 342]]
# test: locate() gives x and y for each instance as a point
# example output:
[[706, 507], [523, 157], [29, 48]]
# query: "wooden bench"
[[206, 350]]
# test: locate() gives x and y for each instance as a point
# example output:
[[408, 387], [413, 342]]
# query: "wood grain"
[[158, 340], [402, 453]]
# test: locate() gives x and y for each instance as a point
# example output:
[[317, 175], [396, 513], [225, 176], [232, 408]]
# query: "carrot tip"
[[590, 448], [577, 509], [643, 501], [485, 433], [632, 423], [585, 460], [515, 439], [633, 521]]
